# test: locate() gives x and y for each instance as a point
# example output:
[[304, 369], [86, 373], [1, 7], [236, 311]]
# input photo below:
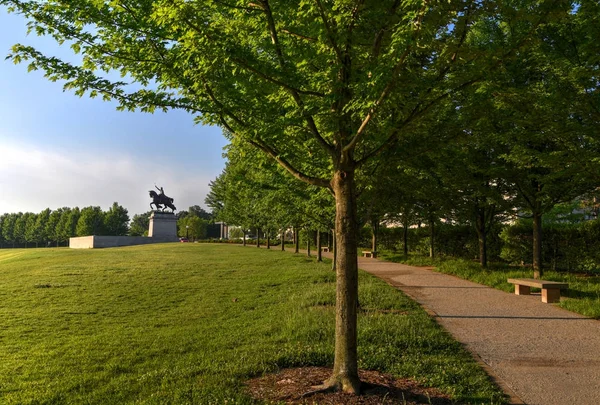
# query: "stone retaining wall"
[[91, 242]]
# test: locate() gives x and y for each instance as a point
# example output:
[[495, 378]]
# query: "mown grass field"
[[189, 323], [583, 295]]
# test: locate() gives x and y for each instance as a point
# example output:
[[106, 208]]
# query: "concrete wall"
[[90, 242]]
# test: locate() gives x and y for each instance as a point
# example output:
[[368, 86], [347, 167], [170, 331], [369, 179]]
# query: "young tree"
[[140, 224], [20, 228], [549, 145], [8, 228], [192, 227], [52, 230], [2, 240], [91, 222], [70, 229], [62, 227], [40, 227], [320, 87], [31, 235], [116, 220], [200, 212]]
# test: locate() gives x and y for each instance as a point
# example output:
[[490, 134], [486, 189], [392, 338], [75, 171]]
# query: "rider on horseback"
[[161, 199]]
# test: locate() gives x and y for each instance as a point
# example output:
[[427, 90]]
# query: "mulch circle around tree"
[[291, 386]]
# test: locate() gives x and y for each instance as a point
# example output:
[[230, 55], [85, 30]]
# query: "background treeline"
[[194, 223], [55, 227]]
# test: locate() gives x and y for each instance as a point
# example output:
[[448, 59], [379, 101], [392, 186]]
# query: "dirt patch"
[[291, 385]]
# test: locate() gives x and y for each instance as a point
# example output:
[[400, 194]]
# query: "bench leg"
[[522, 289], [550, 295]]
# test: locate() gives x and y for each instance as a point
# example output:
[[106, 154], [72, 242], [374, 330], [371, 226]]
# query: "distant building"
[[218, 230]]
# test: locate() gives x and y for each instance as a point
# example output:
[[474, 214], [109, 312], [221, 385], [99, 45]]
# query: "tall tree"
[[321, 87], [200, 212], [71, 226], [8, 228], [31, 235], [52, 230], [91, 222], [40, 227], [2, 240], [116, 220], [544, 123], [20, 228], [193, 227], [62, 227], [140, 224]]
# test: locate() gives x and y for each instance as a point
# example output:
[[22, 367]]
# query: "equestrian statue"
[[160, 199]]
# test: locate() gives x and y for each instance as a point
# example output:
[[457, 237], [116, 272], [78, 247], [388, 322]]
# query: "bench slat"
[[531, 282]]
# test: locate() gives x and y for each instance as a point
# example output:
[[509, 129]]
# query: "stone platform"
[[95, 241], [163, 228], [163, 225]]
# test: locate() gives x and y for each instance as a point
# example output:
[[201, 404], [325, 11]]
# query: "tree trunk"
[[333, 250], [405, 238], [282, 239], [307, 243], [482, 236], [257, 237], [244, 238], [345, 367], [432, 236], [268, 239], [375, 229], [319, 254], [538, 271], [296, 241]]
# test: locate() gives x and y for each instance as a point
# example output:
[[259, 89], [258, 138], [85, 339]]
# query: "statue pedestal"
[[163, 226]]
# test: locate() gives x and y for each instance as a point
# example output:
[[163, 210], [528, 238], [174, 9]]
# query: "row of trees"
[[57, 226], [481, 180], [266, 201], [350, 96]]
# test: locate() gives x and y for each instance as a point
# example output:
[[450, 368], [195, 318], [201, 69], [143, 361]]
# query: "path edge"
[[513, 398]]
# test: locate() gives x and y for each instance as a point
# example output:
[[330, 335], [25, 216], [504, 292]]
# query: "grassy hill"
[[189, 323]]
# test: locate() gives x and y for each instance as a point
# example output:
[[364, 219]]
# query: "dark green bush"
[[565, 246], [450, 240]]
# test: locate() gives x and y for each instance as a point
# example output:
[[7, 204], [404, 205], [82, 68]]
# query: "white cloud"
[[32, 179]]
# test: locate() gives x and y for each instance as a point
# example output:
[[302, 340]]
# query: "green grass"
[[189, 323], [583, 295]]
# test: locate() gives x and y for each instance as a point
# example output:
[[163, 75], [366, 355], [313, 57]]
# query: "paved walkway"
[[544, 354], [539, 353]]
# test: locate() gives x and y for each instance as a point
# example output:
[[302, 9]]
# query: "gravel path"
[[544, 354]]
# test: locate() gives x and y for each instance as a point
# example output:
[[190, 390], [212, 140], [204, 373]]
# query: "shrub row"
[[565, 246]]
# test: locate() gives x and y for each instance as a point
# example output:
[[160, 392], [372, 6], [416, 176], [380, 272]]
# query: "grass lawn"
[[189, 323], [583, 295]]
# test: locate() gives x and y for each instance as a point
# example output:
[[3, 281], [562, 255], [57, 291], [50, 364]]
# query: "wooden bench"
[[369, 254], [550, 289], [325, 249]]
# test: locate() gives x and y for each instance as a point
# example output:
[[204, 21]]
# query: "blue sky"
[[57, 149]]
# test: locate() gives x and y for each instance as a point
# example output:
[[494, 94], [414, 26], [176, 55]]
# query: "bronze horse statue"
[[158, 200]]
